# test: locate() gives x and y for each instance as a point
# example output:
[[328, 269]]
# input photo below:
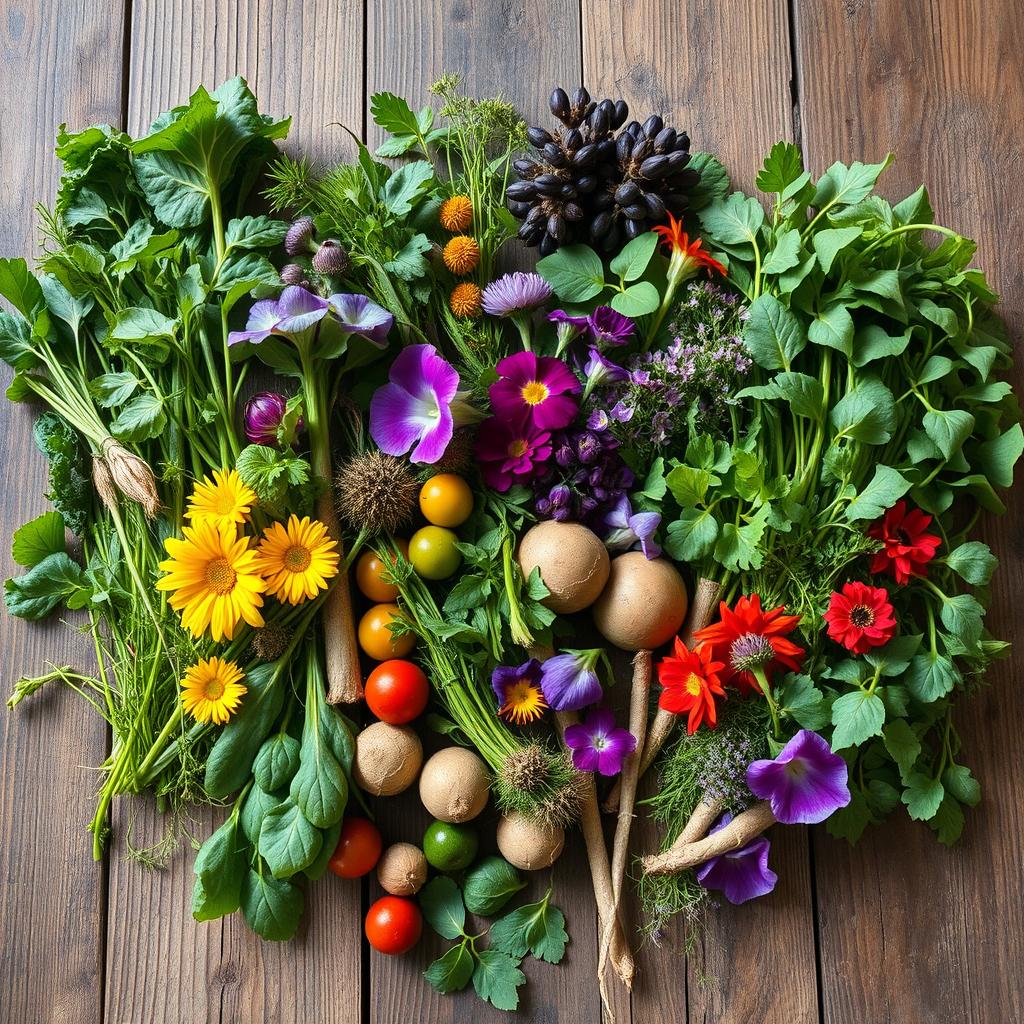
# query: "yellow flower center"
[[220, 577], [213, 689], [297, 558], [535, 392], [693, 684], [517, 448]]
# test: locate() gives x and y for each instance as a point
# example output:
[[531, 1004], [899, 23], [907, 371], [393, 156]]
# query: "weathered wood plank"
[[302, 58], [941, 85], [60, 63], [722, 72]]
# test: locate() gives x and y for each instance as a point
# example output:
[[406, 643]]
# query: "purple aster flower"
[[263, 416], [569, 681], [740, 875], [414, 410], [805, 783], [358, 315], [627, 529], [597, 745], [607, 327], [515, 293]]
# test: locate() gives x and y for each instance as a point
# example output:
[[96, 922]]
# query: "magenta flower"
[[515, 293], [263, 417], [537, 387], [510, 450], [597, 745], [607, 327], [805, 783], [569, 681], [629, 529], [413, 411], [740, 875]]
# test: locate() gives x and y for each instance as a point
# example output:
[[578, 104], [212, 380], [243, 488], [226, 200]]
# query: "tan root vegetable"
[[688, 852], [388, 759], [454, 785], [705, 602], [402, 869], [529, 844], [573, 563]]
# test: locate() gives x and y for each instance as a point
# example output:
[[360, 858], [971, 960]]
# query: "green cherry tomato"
[[433, 553]]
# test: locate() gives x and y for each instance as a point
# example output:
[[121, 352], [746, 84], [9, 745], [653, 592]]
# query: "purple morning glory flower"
[[607, 327], [740, 875], [627, 528], [263, 320], [805, 783], [358, 315], [569, 681], [413, 411], [597, 745], [299, 310], [515, 293]]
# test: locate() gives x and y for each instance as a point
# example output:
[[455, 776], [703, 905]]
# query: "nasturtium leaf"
[[220, 868], [902, 744], [962, 785], [272, 907], [288, 841], [973, 561], [692, 536], [496, 979], [451, 972], [931, 675], [632, 260], [575, 272], [276, 762], [867, 413], [831, 241], [773, 333], [490, 885], [442, 906], [856, 717], [884, 489], [38, 538], [834, 329], [922, 796], [784, 254]]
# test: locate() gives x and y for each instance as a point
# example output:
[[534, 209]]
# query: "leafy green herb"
[[490, 885]]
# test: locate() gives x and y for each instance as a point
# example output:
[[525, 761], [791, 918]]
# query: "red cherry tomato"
[[397, 691], [393, 925], [358, 849]]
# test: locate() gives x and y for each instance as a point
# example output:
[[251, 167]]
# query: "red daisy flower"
[[860, 617], [686, 257], [690, 684], [908, 548], [752, 643]]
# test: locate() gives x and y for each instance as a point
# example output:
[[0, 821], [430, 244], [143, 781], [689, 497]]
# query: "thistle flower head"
[[299, 236], [750, 651], [330, 259]]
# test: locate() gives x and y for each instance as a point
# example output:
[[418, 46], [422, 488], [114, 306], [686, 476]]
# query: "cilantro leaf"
[[537, 928]]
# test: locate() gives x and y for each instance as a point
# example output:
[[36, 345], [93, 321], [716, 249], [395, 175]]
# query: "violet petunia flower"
[[537, 387], [413, 411], [263, 320], [569, 681], [515, 293], [629, 529], [805, 783], [357, 314], [597, 745], [608, 327], [740, 875], [299, 310], [511, 451]]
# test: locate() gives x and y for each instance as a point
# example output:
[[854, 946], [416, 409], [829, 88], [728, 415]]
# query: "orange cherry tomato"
[[397, 691], [393, 925], [369, 574], [446, 500], [377, 640], [358, 849]]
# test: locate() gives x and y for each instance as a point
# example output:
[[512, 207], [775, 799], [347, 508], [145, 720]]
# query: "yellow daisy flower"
[[297, 560], [224, 499], [213, 579], [212, 690]]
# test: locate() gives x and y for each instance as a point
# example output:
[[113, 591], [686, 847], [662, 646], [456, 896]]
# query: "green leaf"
[[830, 242], [257, 805], [575, 272], [893, 658], [834, 329], [55, 579], [319, 787], [490, 885], [220, 867], [843, 186], [497, 978], [948, 821], [962, 785], [288, 841], [804, 394], [714, 180], [922, 796], [70, 483], [141, 324], [451, 972], [903, 745], [856, 718], [962, 615], [781, 168], [973, 561], [19, 286], [112, 389], [17, 348], [538, 928], [692, 536], [948, 428], [997, 458], [272, 908], [885, 488], [915, 209], [637, 300], [260, 232], [442, 906], [785, 253], [872, 342], [404, 188], [739, 547], [393, 114], [142, 418], [850, 821], [867, 413], [773, 333], [322, 862], [38, 538], [931, 675], [410, 262], [632, 261], [733, 221], [689, 486], [802, 701], [276, 762]]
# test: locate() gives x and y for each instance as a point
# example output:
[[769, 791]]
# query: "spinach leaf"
[[490, 885]]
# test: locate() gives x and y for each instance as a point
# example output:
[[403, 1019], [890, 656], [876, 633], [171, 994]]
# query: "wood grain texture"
[[304, 59], [942, 86], [59, 63]]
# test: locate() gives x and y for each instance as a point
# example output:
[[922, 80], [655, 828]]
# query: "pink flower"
[[509, 450], [539, 387]]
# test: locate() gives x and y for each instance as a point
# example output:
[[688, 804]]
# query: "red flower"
[[908, 549], [860, 617], [690, 684], [752, 643], [686, 257]]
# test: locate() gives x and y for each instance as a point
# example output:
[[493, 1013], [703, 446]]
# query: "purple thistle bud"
[[263, 416], [298, 237], [293, 274], [750, 652], [330, 259]]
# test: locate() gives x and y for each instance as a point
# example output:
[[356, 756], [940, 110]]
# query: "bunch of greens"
[[534, 928]]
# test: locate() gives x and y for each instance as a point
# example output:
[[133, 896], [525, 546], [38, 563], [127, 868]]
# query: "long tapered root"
[[344, 676]]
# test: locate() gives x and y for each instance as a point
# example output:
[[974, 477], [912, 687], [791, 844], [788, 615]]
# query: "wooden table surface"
[[897, 929]]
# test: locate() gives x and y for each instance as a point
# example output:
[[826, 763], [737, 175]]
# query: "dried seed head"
[[270, 642], [299, 236], [104, 482], [525, 769], [330, 259], [376, 492], [132, 475]]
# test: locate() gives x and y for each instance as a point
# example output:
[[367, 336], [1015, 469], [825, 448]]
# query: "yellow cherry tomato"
[[370, 571], [377, 640], [433, 553], [446, 500]]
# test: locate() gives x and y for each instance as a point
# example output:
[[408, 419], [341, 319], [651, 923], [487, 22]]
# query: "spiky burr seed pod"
[[461, 255], [330, 259], [456, 213], [376, 493], [270, 642], [299, 237], [597, 179], [464, 300]]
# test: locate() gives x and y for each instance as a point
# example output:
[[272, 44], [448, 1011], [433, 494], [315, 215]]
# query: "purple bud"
[[298, 237], [293, 274], [264, 413], [331, 259]]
